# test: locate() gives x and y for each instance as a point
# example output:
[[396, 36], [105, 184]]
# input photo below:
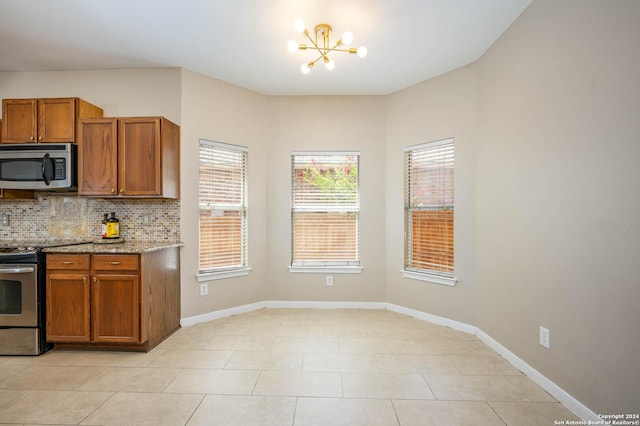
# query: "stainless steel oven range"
[[22, 301]]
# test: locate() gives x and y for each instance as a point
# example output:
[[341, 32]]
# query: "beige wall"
[[117, 92], [319, 123], [558, 196], [217, 111], [437, 109]]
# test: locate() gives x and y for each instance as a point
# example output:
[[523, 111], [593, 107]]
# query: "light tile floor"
[[282, 367]]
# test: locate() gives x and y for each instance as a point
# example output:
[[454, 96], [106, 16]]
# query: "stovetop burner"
[[11, 251], [17, 250]]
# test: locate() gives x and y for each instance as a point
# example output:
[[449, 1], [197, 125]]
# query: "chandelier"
[[322, 44]]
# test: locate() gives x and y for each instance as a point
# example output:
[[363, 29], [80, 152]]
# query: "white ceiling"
[[244, 42]]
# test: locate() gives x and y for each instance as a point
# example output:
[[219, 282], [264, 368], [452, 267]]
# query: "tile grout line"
[[395, 410], [295, 410], [196, 409], [435, 397], [253, 389], [170, 381], [97, 407], [494, 410]]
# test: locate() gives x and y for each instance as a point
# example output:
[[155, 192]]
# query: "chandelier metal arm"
[[324, 50], [306, 33], [312, 63], [302, 46], [350, 50]]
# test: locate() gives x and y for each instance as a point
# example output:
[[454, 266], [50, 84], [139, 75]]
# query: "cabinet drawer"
[[109, 262], [68, 261]]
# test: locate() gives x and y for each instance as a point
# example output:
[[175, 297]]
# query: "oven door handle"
[[16, 270]]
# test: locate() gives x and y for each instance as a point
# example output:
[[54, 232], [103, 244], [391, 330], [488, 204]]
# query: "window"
[[325, 208], [223, 210], [429, 212]]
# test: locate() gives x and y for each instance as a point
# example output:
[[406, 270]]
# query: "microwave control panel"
[[60, 168]]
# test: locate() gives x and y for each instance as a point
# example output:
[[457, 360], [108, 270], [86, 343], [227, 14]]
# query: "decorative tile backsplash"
[[68, 217], [64, 215]]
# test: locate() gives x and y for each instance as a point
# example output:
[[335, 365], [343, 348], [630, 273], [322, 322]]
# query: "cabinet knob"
[[114, 262], [95, 279], [113, 190], [31, 138], [121, 191], [40, 138], [66, 262]]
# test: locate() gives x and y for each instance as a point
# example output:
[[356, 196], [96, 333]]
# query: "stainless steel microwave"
[[38, 166]]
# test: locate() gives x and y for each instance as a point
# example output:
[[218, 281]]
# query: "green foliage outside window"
[[336, 182]]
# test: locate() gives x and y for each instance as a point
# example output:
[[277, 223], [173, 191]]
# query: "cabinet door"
[[68, 300], [115, 310], [19, 120], [56, 120], [97, 157], [139, 154], [13, 194]]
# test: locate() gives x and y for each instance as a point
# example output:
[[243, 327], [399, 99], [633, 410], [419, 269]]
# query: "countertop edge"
[[127, 247]]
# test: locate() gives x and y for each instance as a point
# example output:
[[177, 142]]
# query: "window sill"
[[326, 269], [219, 275], [424, 276]]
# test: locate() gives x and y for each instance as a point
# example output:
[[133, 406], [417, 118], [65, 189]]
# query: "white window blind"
[[325, 209], [429, 208], [223, 207]]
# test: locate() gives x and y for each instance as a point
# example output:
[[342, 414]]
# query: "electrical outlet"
[[544, 337], [145, 219], [329, 280], [204, 289], [4, 219]]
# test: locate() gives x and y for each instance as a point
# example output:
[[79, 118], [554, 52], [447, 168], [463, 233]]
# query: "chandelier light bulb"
[[298, 25], [347, 37], [329, 64], [292, 46], [362, 51], [305, 68]]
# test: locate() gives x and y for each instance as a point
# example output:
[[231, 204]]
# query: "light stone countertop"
[[125, 247]]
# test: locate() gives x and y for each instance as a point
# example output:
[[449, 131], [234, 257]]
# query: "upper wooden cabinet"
[[16, 194], [44, 120], [129, 157]]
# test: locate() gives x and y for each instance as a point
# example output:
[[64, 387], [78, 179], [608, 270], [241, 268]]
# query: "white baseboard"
[[456, 325], [554, 390], [576, 407], [324, 305], [185, 322]]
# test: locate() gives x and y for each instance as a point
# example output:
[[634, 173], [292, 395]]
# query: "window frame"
[[243, 268], [324, 266], [424, 274]]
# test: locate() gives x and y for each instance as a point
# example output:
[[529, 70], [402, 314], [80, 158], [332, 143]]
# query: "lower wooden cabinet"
[[106, 301], [68, 307], [115, 311]]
